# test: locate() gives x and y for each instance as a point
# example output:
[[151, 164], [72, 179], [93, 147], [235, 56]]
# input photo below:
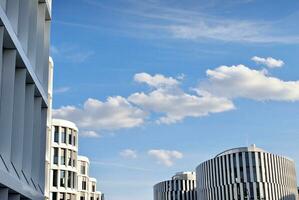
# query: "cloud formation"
[[115, 113], [89, 134], [128, 153], [242, 82], [156, 81], [166, 102], [165, 157], [269, 62], [177, 105]]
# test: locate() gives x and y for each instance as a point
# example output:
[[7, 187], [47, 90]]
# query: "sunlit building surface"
[[182, 186], [247, 173], [69, 173], [24, 74]]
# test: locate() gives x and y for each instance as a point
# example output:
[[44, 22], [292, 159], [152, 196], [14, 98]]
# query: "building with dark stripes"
[[247, 173], [182, 186]]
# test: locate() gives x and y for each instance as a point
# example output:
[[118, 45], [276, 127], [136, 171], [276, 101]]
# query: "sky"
[[157, 87]]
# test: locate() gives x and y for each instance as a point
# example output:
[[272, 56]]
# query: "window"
[[55, 159], [54, 195], [82, 198], [83, 168], [91, 198], [62, 178], [56, 134], [69, 179], [63, 135], [70, 138], [74, 139], [93, 188], [55, 176], [62, 157], [84, 183], [74, 179], [69, 158]]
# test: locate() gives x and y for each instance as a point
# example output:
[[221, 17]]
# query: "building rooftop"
[[251, 148]]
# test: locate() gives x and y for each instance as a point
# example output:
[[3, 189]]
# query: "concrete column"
[[32, 47], [6, 103], [18, 119], [40, 42], [23, 29], [12, 11], [28, 129], [42, 160], [36, 151], [4, 193], [46, 54]]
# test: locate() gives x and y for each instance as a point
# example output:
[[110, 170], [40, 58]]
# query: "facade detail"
[[247, 173], [69, 173], [182, 186], [64, 151], [24, 103], [86, 185]]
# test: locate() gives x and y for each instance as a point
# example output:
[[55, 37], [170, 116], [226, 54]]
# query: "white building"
[[69, 173], [247, 173], [24, 74], [87, 186], [182, 186]]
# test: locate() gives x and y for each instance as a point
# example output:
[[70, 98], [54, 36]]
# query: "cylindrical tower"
[[181, 187], [247, 173], [64, 152]]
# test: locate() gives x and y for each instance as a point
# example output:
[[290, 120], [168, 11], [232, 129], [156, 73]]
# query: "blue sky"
[[157, 87]]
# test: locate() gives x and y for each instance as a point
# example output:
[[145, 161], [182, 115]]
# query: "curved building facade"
[[64, 151], [181, 187], [247, 173]]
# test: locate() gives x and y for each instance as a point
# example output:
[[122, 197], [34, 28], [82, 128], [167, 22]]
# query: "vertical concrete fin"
[[6, 104]]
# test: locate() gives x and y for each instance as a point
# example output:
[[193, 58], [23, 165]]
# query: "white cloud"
[[89, 134], [165, 157], [173, 103], [115, 113], [179, 105], [157, 80], [128, 153], [241, 81], [269, 62], [61, 90]]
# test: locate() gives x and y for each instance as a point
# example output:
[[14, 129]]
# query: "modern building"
[[49, 131], [182, 186], [64, 151], [69, 173], [24, 74], [247, 173], [87, 186]]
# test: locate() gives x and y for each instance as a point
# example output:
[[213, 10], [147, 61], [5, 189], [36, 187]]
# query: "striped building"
[[181, 187], [247, 173]]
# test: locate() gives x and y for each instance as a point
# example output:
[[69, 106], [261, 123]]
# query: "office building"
[[182, 186], [87, 186], [69, 173], [24, 74], [247, 173]]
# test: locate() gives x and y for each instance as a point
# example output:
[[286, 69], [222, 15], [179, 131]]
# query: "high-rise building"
[[182, 186], [69, 173], [24, 74], [247, 173]]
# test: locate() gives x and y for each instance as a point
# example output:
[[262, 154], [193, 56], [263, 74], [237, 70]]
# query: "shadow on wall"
[[289, 197]]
